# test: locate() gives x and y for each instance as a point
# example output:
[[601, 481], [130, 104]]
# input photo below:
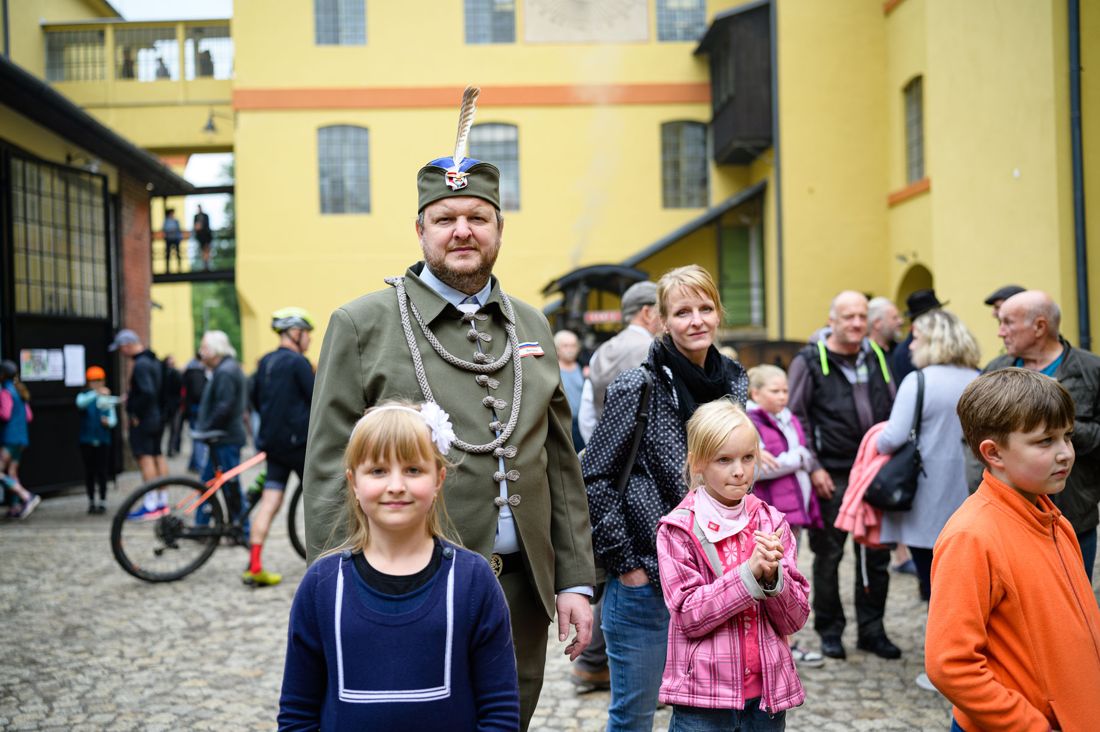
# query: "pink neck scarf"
[[716, 520]]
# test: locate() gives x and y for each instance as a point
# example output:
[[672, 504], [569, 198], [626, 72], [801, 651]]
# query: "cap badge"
[[456, 180]]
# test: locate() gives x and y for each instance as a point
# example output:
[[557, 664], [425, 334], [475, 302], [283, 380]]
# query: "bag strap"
[[914, 431], [708, 546], [640, 422]]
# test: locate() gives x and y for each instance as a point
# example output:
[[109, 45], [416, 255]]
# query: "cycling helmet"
[[287, 318]]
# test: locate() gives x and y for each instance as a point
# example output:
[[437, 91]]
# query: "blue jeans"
[[749, 719], [635, 627], [955, 726], [1087, 541], [229, 456]]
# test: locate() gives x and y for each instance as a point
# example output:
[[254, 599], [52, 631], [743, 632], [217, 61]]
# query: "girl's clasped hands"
[[766, 555]]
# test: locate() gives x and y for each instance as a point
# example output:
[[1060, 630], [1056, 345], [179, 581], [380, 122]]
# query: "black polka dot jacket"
[[624, 530]]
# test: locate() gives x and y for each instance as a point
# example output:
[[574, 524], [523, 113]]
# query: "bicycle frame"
[[219, 480]]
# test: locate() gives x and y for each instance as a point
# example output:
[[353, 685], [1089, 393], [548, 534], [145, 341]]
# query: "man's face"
[[849, 322], [207, 355], [1019, 335], [131, 349], [460, 239]]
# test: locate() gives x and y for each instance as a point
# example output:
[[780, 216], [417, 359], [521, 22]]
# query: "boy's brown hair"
[[999, 403]]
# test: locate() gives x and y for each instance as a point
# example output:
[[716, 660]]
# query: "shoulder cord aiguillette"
[[511, 352]]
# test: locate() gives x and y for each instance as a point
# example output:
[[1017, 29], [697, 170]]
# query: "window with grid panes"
[[499, 144], [208, 53], [344, 169], [75, 56], [59, 237], [683, 165], [681, 20], [490, 21], [914, 130], [146, 54], [340, 22]]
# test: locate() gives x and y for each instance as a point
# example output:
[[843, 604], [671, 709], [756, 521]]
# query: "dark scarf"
[[693, 385]]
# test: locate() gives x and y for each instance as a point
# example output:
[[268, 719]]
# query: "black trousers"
[[922, 558], [96, 460], [828, 548]]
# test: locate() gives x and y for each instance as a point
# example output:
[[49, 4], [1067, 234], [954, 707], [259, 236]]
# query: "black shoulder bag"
[[640, 421], [895, 485]]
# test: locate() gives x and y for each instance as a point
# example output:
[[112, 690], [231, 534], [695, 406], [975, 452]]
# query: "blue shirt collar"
[[449, 293]]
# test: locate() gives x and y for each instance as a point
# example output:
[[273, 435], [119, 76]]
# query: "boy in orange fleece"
[[1013, 626]]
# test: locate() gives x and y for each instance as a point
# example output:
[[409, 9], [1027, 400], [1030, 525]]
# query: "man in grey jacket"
[[1029, 327], [222, 408], [626, 350]]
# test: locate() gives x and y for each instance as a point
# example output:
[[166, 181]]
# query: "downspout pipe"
[[7, 35], [1084, 336], [780, 290]]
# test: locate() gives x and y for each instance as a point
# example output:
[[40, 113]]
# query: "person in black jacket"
[[172, 404], [143, 405], [1030, 323], [282, 389], [686, 371], [194, 382], [840, 388]]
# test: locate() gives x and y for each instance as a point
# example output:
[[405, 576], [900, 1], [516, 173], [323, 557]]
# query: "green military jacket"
[[365, 359]]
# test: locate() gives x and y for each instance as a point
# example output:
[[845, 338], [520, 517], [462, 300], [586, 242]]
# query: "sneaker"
[[906, 567], [30, 505], [807, 658], [263, 578], [926, 683], [92, 509], [147, 514], [101, 508]]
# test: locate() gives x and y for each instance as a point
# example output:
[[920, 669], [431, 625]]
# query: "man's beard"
[[469, 282]]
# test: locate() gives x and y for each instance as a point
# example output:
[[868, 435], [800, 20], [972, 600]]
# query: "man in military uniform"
[[446, 332]]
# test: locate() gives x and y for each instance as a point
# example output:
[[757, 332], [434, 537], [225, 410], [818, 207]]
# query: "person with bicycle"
[[282, 389], [222, 409]]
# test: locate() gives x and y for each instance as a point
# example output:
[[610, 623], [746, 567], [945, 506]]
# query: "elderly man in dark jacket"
[[1030, 323], [222, 408]]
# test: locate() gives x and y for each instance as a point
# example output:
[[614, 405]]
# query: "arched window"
[[681, 20], [499, 144], [914, 130], [340, 22], [684, 165], [343, 161]]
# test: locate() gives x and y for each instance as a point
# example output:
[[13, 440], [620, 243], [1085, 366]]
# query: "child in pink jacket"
[[729, 575]]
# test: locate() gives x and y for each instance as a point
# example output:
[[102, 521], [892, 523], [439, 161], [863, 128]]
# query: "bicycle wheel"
[[155, 539], [296, 522]]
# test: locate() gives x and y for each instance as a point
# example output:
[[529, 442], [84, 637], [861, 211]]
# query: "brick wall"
[[136, 266]]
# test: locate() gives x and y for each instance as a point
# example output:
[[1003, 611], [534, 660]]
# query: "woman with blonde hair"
[[947, 354], [683, 371]]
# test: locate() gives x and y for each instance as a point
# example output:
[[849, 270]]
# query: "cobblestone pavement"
[[87, 647]]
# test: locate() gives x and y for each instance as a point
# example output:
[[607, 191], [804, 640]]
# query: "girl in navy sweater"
[[398, 629]]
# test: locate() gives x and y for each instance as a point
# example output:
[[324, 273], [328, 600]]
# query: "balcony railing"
[[139, 51]]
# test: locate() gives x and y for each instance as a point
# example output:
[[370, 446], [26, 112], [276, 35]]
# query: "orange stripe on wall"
[[911, 190], [500, 96], [889, 5], [175, 161]]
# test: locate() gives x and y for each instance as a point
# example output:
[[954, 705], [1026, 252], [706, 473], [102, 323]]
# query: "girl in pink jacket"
[[731, 583]]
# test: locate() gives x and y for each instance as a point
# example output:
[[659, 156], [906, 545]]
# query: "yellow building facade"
[[911, 143]]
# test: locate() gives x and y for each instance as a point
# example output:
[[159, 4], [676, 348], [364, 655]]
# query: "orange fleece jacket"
[[1013, 626]]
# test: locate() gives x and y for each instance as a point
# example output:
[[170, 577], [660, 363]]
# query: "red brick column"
[[136, 267]]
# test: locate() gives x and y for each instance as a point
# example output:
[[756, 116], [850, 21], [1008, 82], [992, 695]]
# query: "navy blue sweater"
[[448, 663]]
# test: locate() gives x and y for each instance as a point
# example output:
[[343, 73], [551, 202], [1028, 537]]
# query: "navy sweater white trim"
[[451, 658]]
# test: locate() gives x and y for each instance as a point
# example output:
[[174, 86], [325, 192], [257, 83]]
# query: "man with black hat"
[[917, 304], [1000, 295], [447, 332]]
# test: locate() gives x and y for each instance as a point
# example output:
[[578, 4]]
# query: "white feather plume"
[[465, 122]]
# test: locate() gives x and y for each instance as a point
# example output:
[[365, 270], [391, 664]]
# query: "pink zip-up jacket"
[[704, 663], [862, 520]]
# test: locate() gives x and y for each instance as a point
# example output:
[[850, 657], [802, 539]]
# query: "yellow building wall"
[[832, 123], [997, 153], [590, 185], [40, 142]]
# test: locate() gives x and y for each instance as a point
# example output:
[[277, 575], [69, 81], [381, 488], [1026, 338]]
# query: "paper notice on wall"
[[74, 365], [41, 364]]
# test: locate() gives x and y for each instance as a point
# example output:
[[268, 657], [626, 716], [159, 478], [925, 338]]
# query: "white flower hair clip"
[[443, 434]]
